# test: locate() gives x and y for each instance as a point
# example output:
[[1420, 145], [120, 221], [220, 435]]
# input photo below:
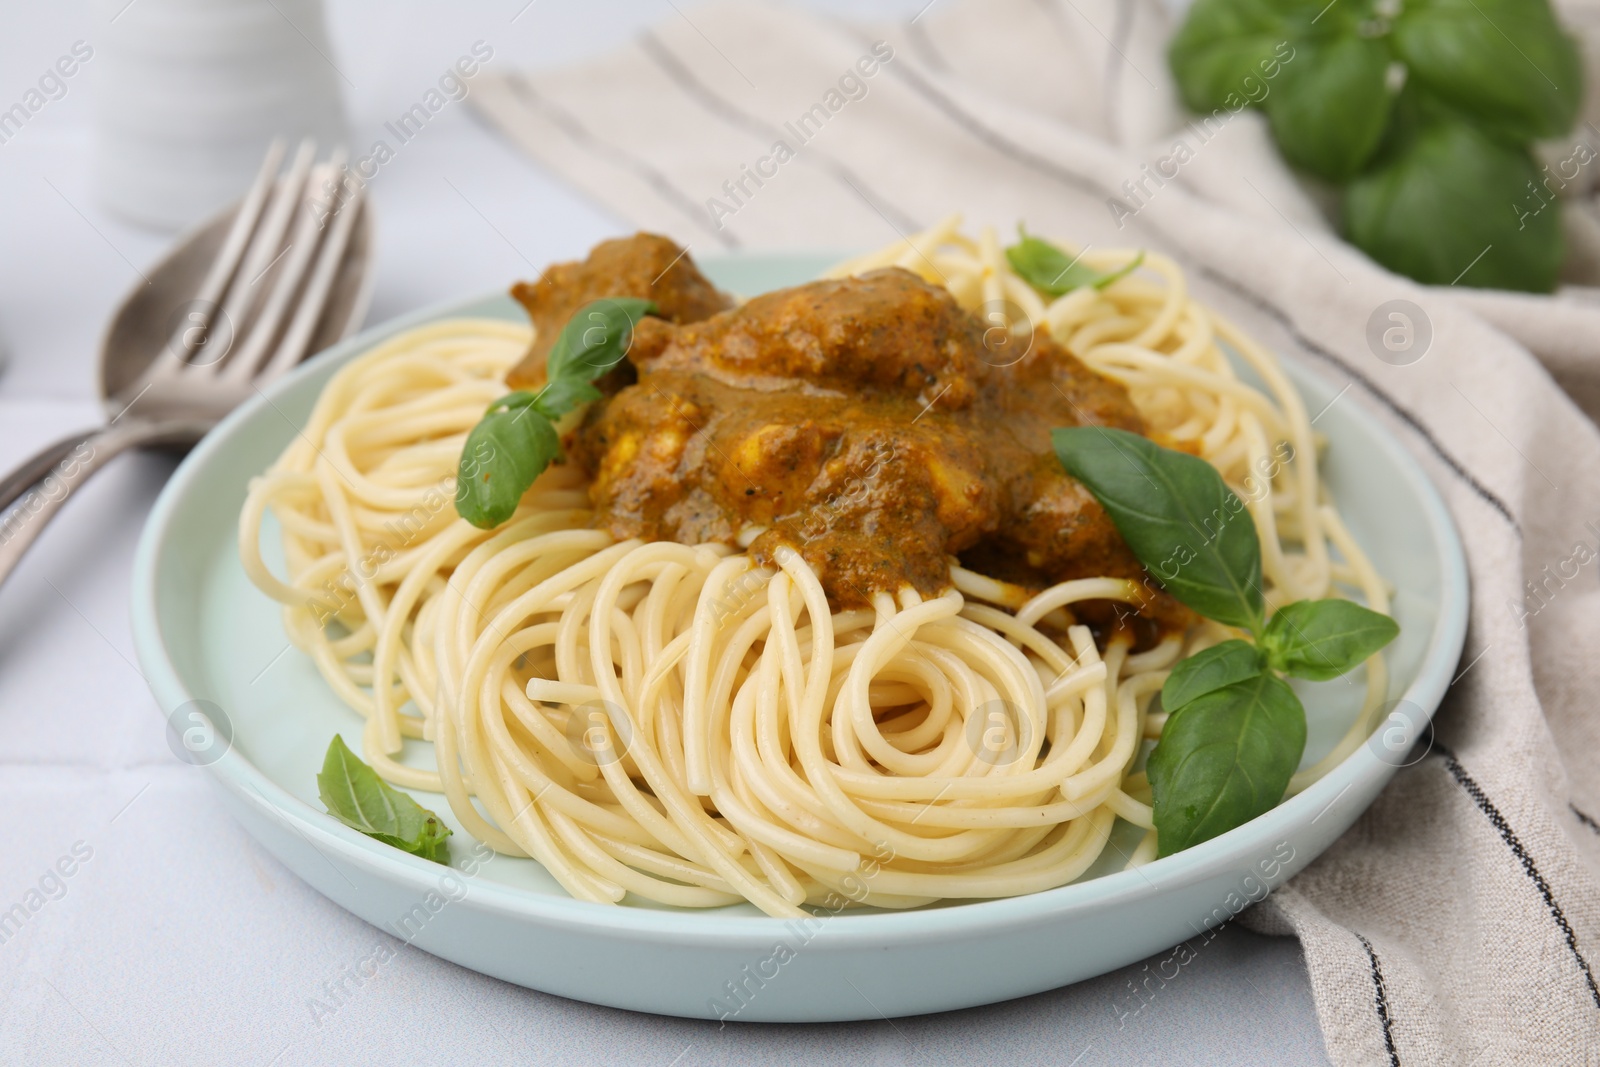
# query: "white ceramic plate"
[[205, 634]]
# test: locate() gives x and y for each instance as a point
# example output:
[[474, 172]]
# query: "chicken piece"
[[887, 332], [644, 266]]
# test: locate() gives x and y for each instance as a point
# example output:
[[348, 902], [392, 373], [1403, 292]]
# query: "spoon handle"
[[37, 467], [60, 469]]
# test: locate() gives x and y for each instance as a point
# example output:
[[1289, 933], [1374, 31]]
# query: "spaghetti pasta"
[[680, 724]]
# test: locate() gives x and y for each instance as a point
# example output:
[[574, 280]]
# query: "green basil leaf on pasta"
[[509, 448], [1330, 106], [1105, 278], [1224, 758], [1505, 62], [1322, 639], [1177, 515], [595, 339], [355, 795], [1209, 670], [1222, 45], [517, 439], [1054, 273], [1446, 202]]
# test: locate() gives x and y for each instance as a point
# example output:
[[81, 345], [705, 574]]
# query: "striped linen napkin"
[[1458, 922]]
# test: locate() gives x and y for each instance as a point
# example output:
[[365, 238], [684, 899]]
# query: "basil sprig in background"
[[1235, 731], [516, 439], [1423, 110]]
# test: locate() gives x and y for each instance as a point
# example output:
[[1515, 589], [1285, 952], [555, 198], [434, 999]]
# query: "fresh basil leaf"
[[1121, 272], [1322, 639], [561, 395], [504, 453], [1209, 670], [355, 795], [1223, 45], [1329, 107], [595, 339], [1051, 271], [1446, 203], [1224, 758], [1177, 515], [516, 439], [1505, 62]]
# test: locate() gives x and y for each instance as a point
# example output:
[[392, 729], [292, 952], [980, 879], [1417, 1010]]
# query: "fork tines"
[[266, 291]]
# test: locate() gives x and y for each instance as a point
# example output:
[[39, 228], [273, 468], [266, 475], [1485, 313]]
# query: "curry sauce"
[[864, 422]]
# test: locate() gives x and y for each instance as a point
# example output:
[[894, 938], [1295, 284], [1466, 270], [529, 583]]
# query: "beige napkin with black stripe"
[[1458, 922]]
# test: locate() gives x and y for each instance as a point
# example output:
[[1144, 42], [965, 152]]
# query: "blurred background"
[[66, 252], [96, 181]]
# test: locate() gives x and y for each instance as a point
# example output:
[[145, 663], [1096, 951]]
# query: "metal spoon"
[[246, 296]]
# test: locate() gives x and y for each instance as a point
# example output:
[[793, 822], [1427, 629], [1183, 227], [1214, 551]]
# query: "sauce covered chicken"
[[863, 422]]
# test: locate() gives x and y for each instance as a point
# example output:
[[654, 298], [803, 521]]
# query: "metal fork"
[[168, 383]]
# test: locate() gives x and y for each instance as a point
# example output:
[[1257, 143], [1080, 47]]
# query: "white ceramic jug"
[[188, 93]]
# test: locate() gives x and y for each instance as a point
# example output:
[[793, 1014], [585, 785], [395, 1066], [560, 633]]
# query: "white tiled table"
[[181, 941]]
